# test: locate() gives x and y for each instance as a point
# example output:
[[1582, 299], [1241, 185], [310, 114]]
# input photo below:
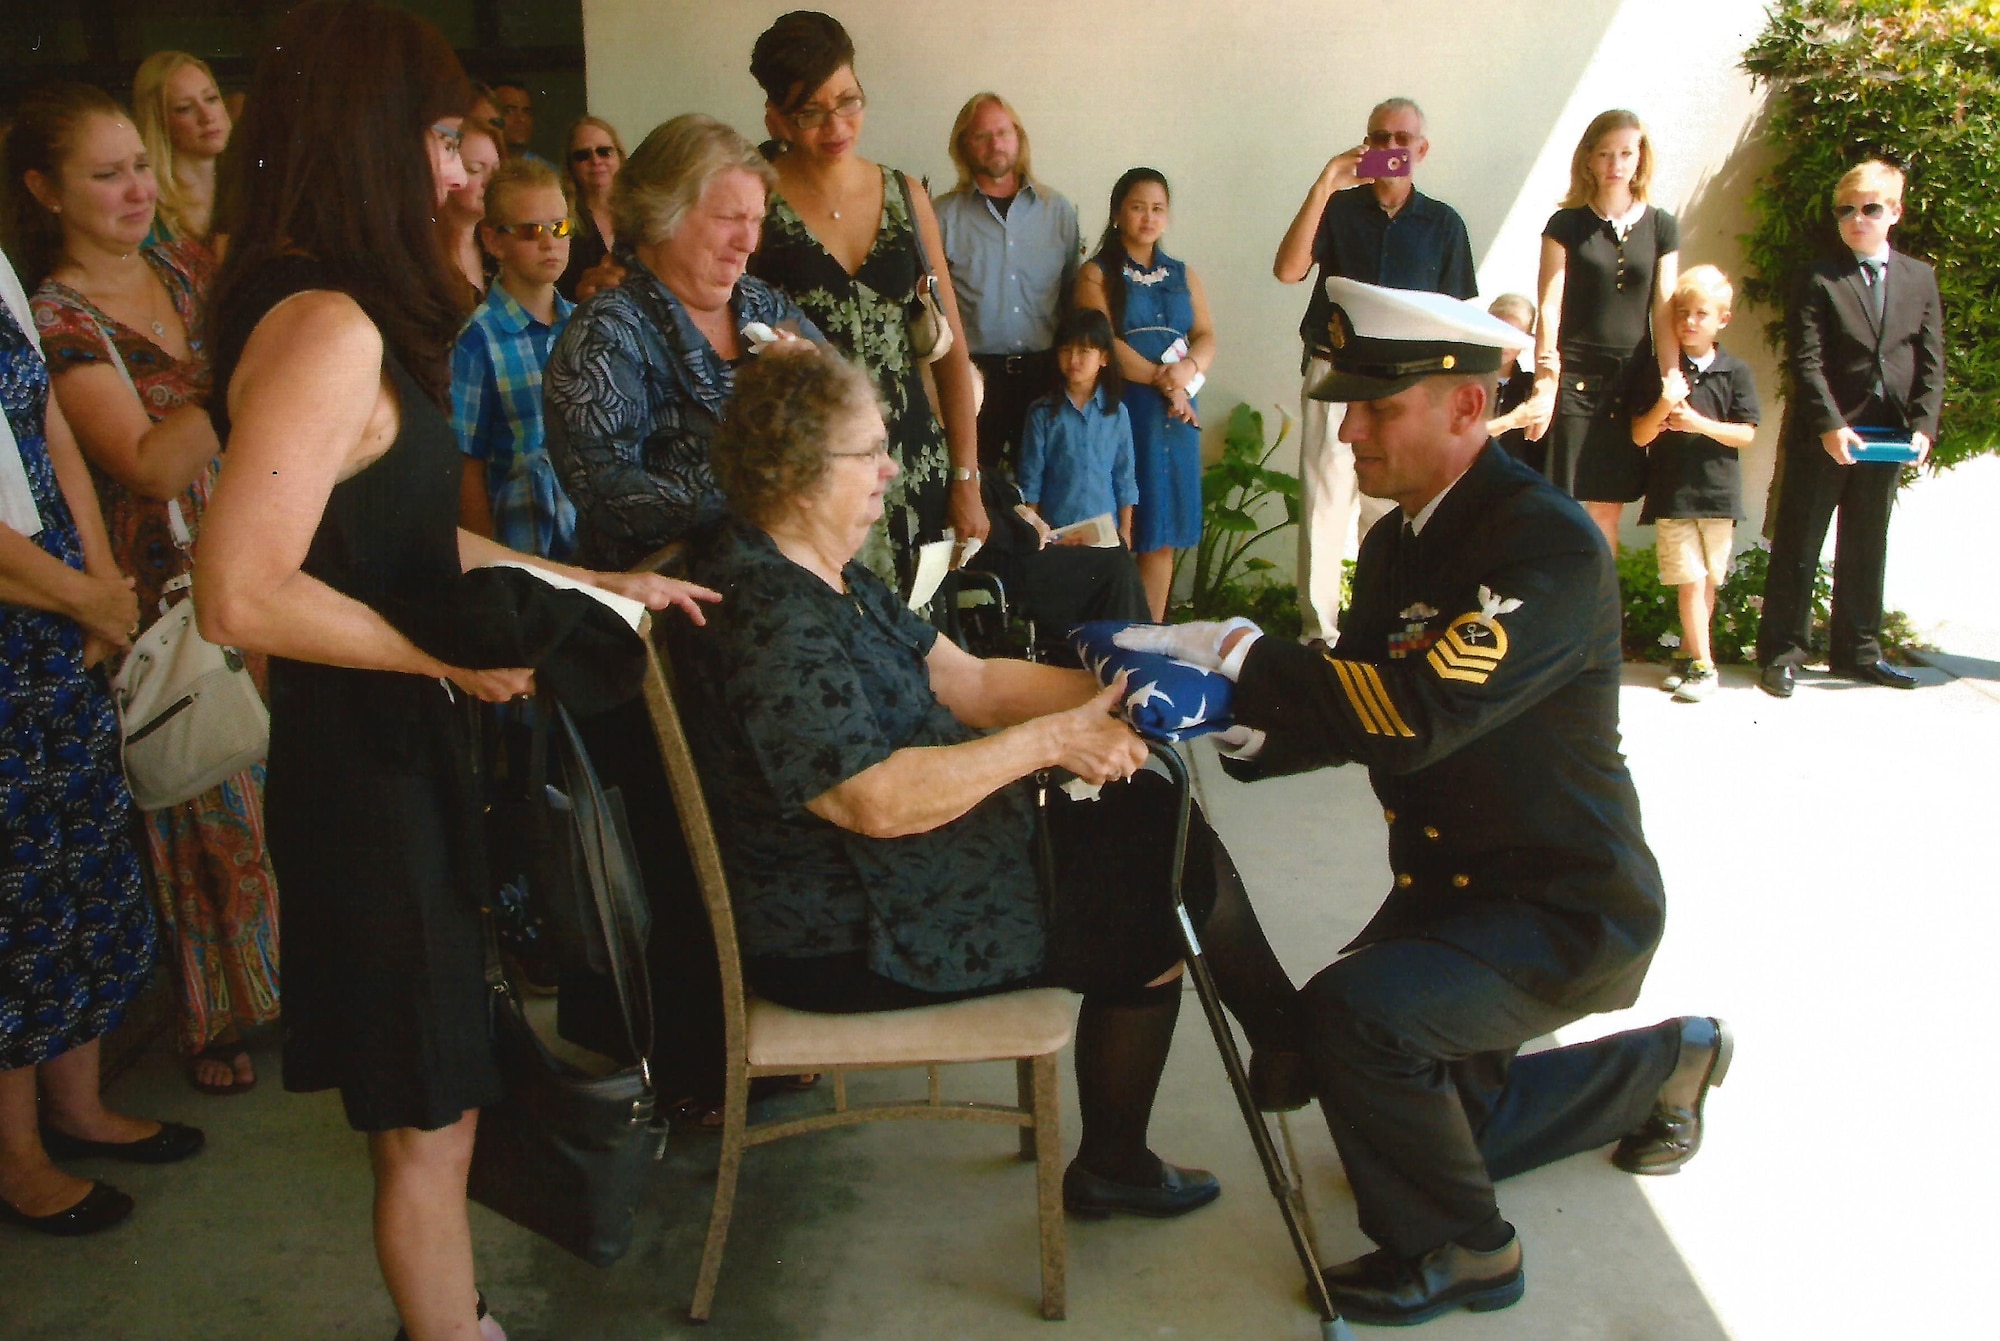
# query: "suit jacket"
[[1477, 677], [1840, 354]]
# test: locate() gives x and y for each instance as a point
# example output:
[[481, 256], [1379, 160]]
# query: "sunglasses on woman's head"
[[451, 138], [532, 231], [601, 151], [1874, 209]]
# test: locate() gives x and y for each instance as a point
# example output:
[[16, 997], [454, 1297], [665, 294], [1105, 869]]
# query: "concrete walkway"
[[1831, 893]]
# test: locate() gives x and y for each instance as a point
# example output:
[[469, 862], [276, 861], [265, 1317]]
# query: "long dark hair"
[[1090, 328], [331, 163], [43, 133], [1110, 256]]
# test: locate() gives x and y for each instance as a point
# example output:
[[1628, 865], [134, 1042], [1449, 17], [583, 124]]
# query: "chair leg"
[[1024, 1095], [735, 1117], [1048, 1186]]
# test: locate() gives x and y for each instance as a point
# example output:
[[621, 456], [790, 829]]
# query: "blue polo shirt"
[[1077, 464], [1423, 246]]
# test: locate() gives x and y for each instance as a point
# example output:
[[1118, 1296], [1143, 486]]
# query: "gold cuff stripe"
[[1363, 710], [1385, 705]]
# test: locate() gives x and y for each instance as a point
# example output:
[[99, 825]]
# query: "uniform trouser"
[[1328, 505], [1815, 486], [1412, 1046]]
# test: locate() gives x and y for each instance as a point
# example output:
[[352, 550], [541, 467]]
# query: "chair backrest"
[[677, 756]]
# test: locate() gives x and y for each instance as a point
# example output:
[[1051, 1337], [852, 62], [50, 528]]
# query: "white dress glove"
[[1198, 644]]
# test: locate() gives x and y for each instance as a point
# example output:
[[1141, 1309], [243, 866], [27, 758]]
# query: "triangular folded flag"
[[1165, 698]]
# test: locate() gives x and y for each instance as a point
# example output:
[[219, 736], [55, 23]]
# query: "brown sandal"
[[221, 1054]]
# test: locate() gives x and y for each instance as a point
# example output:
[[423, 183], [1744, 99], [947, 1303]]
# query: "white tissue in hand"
[[1079, 790]]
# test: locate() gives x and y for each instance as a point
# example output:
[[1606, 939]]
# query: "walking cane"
[[1290, 1197]]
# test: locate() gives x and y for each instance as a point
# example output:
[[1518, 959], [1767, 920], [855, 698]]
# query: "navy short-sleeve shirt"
[[1423, 246], [1691, 475], [793, 688]]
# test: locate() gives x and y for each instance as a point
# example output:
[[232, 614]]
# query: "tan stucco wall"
[[1240, 104]]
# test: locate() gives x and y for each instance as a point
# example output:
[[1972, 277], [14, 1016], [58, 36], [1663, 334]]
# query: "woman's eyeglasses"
[[532, 231], [450, 136], [880, 453], [812, 118], [1874, 209], [601, 151]]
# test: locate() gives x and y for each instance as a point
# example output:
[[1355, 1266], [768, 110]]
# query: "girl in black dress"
[[332, 323], [1609, 261]]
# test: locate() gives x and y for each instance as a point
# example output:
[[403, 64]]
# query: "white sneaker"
[[1697, 684], [1676, 672]]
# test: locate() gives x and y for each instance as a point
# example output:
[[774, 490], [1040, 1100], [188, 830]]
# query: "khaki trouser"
[[1329, 506]]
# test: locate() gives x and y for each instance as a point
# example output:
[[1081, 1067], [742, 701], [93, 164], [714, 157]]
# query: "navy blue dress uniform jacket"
[[1477, 677]]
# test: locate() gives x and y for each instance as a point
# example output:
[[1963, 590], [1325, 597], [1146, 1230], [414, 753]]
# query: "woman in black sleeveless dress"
[[332, 323]]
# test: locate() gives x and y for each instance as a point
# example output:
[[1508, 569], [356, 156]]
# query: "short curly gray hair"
[[667, 174], [771, 447]]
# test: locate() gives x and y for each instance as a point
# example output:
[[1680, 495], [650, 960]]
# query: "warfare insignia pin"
[[1474, 644]]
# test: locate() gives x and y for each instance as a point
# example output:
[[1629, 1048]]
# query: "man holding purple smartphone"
[[1389, 234]]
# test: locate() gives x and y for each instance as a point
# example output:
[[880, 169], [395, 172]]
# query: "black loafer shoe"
[[1778, 680], [102, 1207], [1672, 1135], [1179, 1191], [1278, 1081], [1387, 1292], [171, 1144], [1877, 672]]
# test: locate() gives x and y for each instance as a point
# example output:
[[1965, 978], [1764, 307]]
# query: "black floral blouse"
[[794, 688]]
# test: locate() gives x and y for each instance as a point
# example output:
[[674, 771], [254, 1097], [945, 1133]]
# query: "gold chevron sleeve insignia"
[[1369, 698], [1471, 649]]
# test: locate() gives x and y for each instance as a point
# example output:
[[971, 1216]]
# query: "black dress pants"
[[1413, 1044], [1815, 487], [1012, 383]]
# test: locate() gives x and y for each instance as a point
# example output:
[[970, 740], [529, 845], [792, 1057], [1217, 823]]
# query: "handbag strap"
[[176, 521], [925, 273]]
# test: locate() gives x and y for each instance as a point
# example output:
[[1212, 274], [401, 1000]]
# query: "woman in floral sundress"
[[121, 327]]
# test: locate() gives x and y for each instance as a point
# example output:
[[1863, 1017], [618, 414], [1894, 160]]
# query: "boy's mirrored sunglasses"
[[530, 232], [600, 150], [1874, 209]]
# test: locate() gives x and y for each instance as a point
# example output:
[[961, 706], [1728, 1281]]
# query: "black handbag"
[[565, 1154]]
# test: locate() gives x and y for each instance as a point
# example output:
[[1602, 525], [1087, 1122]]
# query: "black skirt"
[[1591, 456]]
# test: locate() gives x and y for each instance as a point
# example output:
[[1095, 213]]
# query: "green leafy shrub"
[[1235, 489], [1919, 82]]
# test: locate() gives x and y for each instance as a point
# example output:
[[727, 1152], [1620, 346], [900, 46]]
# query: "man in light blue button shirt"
[[1012, 247]]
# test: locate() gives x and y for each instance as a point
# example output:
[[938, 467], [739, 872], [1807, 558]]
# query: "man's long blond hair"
[[963, 123]]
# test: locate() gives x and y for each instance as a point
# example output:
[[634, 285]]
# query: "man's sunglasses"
[[532, 232], [600, 150], [1874, 209], [1401, 139]]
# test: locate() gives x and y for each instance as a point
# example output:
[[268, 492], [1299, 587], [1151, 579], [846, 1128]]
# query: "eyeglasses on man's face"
[[585, 154], [1874, 209], [532, 230], [1399, 139], [847, 108]]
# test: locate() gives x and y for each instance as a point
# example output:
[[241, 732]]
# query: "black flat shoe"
[[1877, 672], [1778, 680], [1385, 1291], [171, 1144], [1672, 1135], [1179, 1191], [1278, 1081], [102, 1207]]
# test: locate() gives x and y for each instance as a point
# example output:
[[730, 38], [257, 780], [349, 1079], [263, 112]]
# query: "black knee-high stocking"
[[1253, 984], [1121, 1051]]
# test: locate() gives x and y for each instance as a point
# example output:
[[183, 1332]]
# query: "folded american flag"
[[1165, 699]]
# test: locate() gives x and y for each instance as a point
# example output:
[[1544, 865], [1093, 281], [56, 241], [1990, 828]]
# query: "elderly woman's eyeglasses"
[[1874, 209], [880, 452], [584, 154], [812, 118], [532, 231], [451, 138]]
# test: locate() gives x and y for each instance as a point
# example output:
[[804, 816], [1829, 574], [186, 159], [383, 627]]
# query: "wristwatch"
[[961, 474]]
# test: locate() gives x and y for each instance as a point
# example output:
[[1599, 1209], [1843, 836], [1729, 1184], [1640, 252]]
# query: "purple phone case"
[[1385, 163]]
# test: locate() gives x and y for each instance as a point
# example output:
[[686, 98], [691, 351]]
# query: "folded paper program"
[[1165, 698]]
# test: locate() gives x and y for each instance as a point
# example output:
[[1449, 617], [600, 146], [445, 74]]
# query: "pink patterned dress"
[[213, 887]]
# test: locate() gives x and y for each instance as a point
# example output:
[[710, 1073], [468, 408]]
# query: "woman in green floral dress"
[[840, 240]]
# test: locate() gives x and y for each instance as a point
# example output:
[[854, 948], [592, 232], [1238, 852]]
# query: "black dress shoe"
[[1672, 1135], [1877, 672], [102, 1207], [1179, 1191], [1778, 679], [1400, 1292], [171, 1144], [1278, 1081]]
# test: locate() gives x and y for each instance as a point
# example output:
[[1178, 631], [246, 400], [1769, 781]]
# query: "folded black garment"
[[495, 618]]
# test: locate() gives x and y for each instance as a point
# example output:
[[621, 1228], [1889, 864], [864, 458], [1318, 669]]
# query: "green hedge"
[[1920, 83]]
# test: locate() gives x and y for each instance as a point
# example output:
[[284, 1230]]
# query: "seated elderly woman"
[[870, 783], [639, 381]]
